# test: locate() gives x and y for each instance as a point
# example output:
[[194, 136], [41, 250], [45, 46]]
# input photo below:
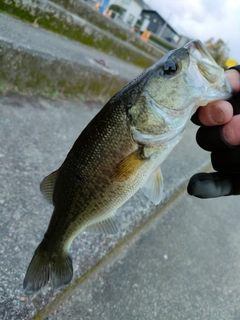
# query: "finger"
[[235, 102], [213, 185], [231, 131], [234, 79], [226, 161], [219, 138], [214, 116], [211, 139], [195, 119], [215, 113]]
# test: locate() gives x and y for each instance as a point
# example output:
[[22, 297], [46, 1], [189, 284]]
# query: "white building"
[[131, 10]]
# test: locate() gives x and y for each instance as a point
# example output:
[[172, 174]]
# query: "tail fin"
[[56, 269]]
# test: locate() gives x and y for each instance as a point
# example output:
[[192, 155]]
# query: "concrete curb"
[[85, 12], [18, 67], [54, 18]]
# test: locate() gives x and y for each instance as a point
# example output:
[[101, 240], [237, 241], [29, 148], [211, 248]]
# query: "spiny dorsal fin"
[[47, 185], [105, 226], [153, 188], [128, 166]]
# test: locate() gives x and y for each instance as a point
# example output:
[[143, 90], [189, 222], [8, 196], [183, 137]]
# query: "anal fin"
[[104, 226], [153, 188]]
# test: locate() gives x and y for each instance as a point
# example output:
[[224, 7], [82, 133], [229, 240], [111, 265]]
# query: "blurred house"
[[136, 13], [159, 26], [127, 11]]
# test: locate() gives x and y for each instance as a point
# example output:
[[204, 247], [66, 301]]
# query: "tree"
[[219, 51], [118, 9]]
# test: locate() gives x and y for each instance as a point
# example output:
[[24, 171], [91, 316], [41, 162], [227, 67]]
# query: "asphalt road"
[[36, 135]]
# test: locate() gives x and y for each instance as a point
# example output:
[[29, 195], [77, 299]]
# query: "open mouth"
[[200, 53], [205, 62], [203, 53]]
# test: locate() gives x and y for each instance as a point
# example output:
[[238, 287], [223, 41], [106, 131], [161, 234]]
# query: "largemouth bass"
[[119, 152]]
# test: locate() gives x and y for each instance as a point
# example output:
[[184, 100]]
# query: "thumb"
[[213, 185]]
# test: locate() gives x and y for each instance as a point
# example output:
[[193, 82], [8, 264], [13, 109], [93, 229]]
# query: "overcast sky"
[[203, 19]]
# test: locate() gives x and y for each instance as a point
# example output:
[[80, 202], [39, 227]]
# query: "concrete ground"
[[47, 43], [185, 264], [39, 60], [179, 260]]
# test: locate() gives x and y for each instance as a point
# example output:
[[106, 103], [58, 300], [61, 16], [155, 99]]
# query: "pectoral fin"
[[153, 188], [105, 226], [128, 166], [47, 185]]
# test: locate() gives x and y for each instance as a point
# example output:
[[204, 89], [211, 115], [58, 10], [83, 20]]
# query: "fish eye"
[[169, 67]]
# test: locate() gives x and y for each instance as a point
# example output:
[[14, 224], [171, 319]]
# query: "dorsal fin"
[[47, 185], [153, 187]]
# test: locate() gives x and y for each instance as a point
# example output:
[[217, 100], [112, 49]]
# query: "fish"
[[120, 152]]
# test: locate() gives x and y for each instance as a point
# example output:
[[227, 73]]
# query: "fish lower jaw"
[[213, 95]]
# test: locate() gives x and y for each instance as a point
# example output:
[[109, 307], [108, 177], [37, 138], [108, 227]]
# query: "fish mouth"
[[205, 62], [207, 66], [198, 50]]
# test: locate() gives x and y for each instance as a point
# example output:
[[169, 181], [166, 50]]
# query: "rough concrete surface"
[[86, 12], [41, 60], [184, 266], [179, 260], [36, 135], [55, 18], [37, 39]]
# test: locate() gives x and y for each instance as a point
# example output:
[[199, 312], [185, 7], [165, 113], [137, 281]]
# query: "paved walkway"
[[180, 260], [185, 265], [36, 135]]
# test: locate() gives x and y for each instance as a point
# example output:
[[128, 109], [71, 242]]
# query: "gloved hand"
[[225, 157]]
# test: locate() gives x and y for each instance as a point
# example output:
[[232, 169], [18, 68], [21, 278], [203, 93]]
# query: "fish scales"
[[119, 152], [100, 150]]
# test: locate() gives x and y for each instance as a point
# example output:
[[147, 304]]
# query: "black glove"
[[225, 160]]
